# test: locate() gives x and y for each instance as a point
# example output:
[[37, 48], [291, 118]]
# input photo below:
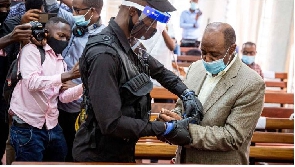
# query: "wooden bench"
[[184, 64], [183, 50], [273, 146], [281, 98], [162, 93], [283, 76], [270, 97], [277, 112], [279, 80], [70, 163], [277, 84], [188, 58]]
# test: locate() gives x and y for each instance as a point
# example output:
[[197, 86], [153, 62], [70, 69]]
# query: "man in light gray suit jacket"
[[232, 95]]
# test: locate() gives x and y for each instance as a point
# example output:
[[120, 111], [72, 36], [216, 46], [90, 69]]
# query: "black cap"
[[161, 5]]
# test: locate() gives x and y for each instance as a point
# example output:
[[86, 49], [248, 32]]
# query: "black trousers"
[[67, 122]]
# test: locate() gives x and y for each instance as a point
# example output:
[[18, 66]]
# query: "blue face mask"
[[194, 6], [216, 66], [80, 20], [248, 59]]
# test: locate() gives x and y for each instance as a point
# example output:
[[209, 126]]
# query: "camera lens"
[[37, 30], [40, 36]]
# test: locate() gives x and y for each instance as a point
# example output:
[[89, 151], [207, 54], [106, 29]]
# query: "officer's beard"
[[130, 24]]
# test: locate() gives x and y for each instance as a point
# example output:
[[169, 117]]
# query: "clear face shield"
[[145, 27]]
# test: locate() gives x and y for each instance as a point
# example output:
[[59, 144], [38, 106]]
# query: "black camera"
[[38, 31]]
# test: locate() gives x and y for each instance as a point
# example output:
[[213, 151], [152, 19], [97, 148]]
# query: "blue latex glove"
[[177, 132], [169, 127]]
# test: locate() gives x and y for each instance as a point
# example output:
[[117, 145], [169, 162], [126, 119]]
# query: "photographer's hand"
[[31, 15], [40, 43], [20, 33]]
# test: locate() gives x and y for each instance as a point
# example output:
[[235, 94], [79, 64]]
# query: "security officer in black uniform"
[[116, 71]]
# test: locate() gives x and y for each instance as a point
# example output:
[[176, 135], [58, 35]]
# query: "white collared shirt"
[[211, 81]]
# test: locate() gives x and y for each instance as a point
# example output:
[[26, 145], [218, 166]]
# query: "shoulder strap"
[[42, 53]]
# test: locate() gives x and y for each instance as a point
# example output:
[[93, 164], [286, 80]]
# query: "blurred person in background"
[[248, 57], [190, 23]]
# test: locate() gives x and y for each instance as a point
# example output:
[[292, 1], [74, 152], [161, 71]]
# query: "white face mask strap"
[[87, 12], [230, 57], [132, 4]]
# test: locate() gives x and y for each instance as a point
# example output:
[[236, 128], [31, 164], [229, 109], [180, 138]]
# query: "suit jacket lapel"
[[223, 85], [197, 81]]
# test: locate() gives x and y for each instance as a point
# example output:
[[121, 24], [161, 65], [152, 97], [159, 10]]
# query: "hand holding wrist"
[[66, 76]]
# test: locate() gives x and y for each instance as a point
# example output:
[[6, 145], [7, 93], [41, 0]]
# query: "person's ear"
[[92, 10], [132, 11], [232, 48]]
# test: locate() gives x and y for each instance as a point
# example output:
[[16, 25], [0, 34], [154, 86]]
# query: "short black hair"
[[249, 43], [97, 4], [55, 20], [227, 30], [33, 4], [229, 36]]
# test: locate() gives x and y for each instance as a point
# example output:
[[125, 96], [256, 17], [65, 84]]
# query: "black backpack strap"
[[42, 53]]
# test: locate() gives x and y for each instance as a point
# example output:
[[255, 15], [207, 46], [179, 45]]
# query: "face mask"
[[194, 6], [248, 59], [142, 31], [3, 16], [57, 45], [216, 66], [80, 20]]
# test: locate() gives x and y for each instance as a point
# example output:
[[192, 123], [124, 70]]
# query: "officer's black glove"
[[192, 106], [177, 132]]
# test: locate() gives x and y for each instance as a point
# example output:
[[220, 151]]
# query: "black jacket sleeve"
[[166, 77], [103, 82]]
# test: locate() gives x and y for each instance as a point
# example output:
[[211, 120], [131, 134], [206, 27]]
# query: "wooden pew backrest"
[[279, 97], [188, 58], [270, 97], [162, 93], [183, 50], [273, 146], [277, 112], [276, 84], [281, 75]]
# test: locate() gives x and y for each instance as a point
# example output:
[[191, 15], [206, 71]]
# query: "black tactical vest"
[[135, 86]]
